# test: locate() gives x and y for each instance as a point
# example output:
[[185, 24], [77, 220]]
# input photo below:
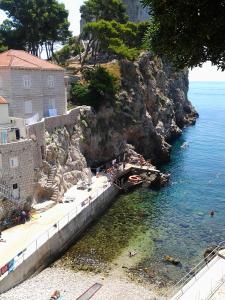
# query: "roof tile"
[[3, 101], [24, 60]]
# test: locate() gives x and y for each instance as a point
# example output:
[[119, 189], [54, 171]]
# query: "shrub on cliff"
[[99, 87]]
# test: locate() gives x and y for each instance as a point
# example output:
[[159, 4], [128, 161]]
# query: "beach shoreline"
[[73, 284]]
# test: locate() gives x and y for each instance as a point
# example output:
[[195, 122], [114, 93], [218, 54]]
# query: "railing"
[[178, 289], [49, 233]]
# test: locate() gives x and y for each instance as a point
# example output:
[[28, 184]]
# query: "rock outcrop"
[[63, 152], [151, 109]]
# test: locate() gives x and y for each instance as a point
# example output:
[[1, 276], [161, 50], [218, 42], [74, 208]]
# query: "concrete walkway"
[[207, 284], [21, 236]]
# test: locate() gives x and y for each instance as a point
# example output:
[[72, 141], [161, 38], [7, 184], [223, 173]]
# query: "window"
[[51, 103], [13, 162], [15, 186], [28, 107], [26, 81], [51, 82]]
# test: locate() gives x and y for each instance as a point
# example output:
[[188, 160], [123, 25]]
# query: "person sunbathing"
[[56, 295]]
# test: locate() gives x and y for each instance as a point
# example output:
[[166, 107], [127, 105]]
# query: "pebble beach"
[[73, 284]]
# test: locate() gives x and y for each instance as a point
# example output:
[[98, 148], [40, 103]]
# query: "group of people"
[[139, 160], [17, 217], [111, 169], [20, 217]]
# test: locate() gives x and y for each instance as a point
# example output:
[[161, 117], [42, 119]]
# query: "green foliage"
[[33, 25], [71, 49], [108, 31], [188, 32], [103, 10], [124, 40], [118, 47], [100, 87]]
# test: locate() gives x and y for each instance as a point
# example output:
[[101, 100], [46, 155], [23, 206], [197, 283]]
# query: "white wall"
[[19, 123], [4, 114]]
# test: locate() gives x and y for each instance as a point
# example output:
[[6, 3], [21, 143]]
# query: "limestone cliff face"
[[152, 108], [62, 153]]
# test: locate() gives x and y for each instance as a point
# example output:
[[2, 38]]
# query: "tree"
[[99, 87], [111, 37], [95, 10], [188, 32], [35, 24], [72, 49]]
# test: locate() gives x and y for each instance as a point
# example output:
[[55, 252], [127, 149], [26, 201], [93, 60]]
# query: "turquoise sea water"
[[174, 220], [181, 210]]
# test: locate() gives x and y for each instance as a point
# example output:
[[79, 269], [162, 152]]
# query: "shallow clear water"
[[181, 211], [175, 220]]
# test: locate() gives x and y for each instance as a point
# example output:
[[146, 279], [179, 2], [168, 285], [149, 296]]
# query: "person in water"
[[212, 213]]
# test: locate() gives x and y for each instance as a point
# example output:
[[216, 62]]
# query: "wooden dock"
[[126, 186]]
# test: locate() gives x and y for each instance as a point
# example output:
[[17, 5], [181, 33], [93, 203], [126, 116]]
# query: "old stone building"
[[30, 89], [16, 157], [17, 170], [33, 87]]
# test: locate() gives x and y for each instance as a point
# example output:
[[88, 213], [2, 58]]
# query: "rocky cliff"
[[150, 110]]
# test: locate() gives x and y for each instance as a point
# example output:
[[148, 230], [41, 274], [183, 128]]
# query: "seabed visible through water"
[[174, 220]]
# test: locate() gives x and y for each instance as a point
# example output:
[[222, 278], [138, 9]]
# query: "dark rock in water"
[[158, 241], [172, 260], [164, 179], [211, 252], [184, 225]]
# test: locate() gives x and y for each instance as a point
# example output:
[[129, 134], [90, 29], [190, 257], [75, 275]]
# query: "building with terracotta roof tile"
[[34, 88]]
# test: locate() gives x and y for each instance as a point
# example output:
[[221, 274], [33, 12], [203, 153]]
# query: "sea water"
[[174, 220]]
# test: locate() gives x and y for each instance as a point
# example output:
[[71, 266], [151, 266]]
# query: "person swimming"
[[184, 145], [212, 213]]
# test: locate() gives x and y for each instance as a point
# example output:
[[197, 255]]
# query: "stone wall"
[[68, 119], [37, 133], [19, 175], [59, 242]]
